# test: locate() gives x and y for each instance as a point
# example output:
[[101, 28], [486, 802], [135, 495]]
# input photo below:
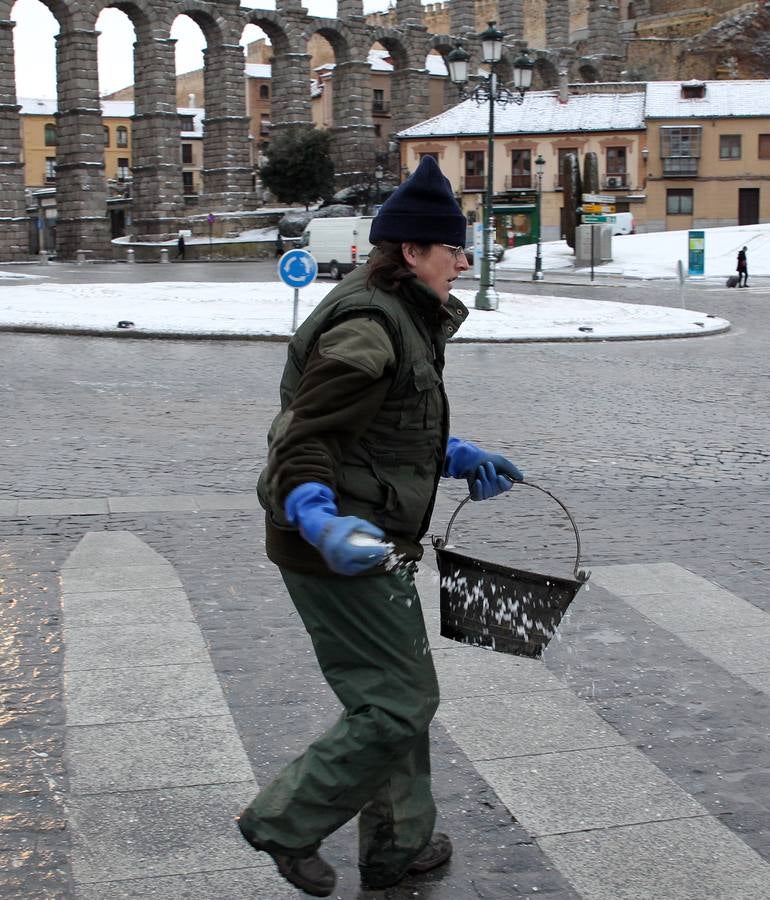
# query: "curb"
[[136, 334]]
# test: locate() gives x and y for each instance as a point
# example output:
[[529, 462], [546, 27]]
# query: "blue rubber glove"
[[312, 508], [488, 474]]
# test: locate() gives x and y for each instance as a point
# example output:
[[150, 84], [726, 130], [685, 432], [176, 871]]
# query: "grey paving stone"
[[139, 607], [159, 754], [145, 834], [760, 680], [139, 695], [638, 579], [520, 724], [118, 578], [474, 672], [124, 646], [685, 859], [8, 507], [583, 789], [699, 609], [427, 582], [226, 501], [94, 506], [166, 503], [262, 881], [105, 549], [738, 651]]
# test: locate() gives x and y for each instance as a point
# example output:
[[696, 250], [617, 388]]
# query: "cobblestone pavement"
[[660, 449]]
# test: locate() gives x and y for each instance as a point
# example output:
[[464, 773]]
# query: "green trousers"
[[370, 641]]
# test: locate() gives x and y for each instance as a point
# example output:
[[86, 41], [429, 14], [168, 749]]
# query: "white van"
[[623, 223], [339, 244]]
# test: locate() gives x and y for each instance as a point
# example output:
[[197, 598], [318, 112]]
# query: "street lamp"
[[379, 174], [489, 91], [537, 275]]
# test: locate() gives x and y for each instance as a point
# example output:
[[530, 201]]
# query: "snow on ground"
[[267, 309], [15, 276], [655, 255]]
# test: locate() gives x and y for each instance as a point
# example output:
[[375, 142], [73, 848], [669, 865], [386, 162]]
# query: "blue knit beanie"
[[422, 209]]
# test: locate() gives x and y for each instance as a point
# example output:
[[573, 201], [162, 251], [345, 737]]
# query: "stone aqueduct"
[[157, 203]]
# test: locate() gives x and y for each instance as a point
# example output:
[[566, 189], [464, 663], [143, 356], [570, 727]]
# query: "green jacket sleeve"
[[345, 381]]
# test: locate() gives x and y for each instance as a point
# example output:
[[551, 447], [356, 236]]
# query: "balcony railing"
[[381, 108], [615, 180], [680, 166], [473, 183], [518, 181]]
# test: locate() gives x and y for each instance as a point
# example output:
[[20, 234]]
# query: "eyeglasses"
[[457, 252]]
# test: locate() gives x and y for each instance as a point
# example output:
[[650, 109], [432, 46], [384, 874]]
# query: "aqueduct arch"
[[157, 196]]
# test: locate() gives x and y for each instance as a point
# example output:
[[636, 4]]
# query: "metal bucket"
[[505, 609]]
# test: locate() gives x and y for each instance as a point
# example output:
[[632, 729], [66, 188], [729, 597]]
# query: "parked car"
[[499, 252]]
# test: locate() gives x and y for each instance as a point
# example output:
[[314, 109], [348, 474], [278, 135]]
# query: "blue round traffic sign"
[[297, 268]]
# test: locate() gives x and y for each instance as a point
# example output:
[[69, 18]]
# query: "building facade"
[[39, 142], [677, 155]]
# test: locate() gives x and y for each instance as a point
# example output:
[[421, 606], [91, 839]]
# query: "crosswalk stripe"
[[612, 822], [157, 769], [721, 626]]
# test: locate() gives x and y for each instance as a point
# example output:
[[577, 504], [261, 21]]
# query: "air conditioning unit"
[[613, 182]]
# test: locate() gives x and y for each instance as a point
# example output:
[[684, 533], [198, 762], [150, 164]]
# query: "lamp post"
[[379, 174], [537, 275], [489, 91]]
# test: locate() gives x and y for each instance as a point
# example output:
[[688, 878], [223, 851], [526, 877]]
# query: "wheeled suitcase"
[[732, 281]]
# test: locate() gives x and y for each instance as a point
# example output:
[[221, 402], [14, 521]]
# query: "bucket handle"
[[580, 574]]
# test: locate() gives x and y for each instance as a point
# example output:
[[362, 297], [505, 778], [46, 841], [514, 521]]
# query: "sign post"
[[478, 247], [297, 268], [696, 253], [211, 218]]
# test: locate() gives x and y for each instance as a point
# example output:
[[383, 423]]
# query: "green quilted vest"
[[390, 475]]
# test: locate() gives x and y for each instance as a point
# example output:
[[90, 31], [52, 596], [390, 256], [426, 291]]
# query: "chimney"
[[191, 101], [563, 86]]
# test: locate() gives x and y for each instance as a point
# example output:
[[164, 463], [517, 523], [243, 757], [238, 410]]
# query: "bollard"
[[164, 254], [81, 257], [130, 255]]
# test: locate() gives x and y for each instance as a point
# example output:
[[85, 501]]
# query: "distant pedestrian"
[[742, 269], [279, 246], [180, 246]]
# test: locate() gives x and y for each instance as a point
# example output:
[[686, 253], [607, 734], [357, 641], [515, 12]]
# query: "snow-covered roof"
[[259, 70], [117, 109], [435, 64], [721, 98], [111, 109], [379, 61], [37, 106], [540, 113]]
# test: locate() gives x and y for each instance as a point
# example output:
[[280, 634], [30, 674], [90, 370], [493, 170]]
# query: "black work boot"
[[438, 851], [434, 854], [310, 873]]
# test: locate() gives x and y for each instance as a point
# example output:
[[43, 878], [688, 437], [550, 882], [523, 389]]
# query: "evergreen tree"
[[299, 167]]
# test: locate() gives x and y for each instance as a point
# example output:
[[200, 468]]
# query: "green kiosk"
[[516, 222]]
